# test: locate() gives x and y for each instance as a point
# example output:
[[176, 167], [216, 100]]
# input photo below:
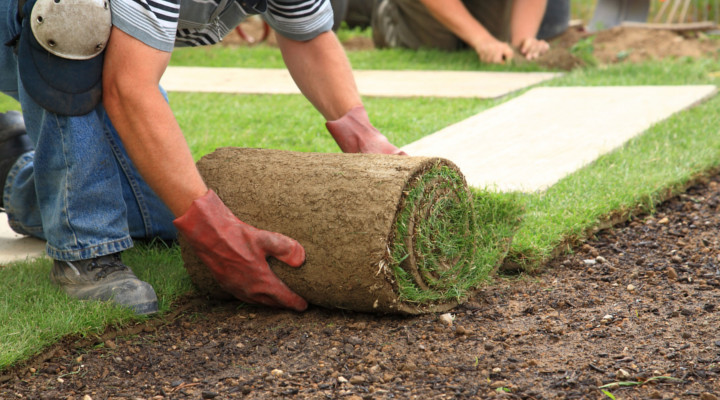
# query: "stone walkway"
[[370, 83], [532, 141], [14, 247]]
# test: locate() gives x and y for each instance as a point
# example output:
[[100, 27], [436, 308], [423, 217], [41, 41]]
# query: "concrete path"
[[533, 140], [370, 83], [14, 247]]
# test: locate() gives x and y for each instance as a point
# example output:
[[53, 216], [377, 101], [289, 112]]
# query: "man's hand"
[[493, 51], [236, 253], [354, 133], [533, 48]]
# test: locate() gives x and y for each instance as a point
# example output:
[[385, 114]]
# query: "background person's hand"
[[493, 51], [236, 253], [532, 48]]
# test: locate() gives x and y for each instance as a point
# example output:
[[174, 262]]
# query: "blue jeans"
[[78, 190]]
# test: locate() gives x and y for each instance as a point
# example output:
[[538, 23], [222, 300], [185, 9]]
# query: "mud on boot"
[[105, 278], [14, 142]]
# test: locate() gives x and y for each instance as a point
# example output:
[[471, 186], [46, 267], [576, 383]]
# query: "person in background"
[[493, 28]]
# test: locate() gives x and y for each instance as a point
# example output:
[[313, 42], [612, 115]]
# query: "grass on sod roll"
[[434, 240], [34, 314]]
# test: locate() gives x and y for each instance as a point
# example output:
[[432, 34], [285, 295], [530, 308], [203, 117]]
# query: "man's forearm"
[[145, 123], [322, 71]]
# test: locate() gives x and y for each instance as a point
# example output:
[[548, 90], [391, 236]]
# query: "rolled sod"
[[386, 234]]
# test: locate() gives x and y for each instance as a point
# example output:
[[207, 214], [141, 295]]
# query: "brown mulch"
[[637, 303]]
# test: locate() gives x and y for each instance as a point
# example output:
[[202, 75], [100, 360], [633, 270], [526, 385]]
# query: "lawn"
[[620, 185]]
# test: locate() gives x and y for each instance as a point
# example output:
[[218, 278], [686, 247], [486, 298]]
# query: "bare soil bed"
[[637, 303]]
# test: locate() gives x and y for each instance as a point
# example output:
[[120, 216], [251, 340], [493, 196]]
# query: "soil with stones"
[[638, 303], [635, 309]]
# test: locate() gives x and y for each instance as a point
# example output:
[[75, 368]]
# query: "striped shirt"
[[164, 24]]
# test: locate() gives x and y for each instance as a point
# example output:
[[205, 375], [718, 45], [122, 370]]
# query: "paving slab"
[[380, 83], [530, 142], [15, 247]]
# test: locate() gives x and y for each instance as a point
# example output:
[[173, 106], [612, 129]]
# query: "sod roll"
[[387, 234]]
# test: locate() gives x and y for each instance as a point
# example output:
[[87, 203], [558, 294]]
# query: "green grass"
[[434, 245], [35, 314]]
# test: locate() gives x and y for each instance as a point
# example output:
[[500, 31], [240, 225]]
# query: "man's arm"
[[455, 16], [234, 252], [145, 123], [322, 71]]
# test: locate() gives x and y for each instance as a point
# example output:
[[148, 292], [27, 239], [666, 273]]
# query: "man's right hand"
[[236, 253], [493, 51]]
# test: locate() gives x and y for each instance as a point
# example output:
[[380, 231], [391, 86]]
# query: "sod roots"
[[386, 234]]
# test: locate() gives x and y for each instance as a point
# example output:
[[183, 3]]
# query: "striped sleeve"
[[153, 22], [299, 19]]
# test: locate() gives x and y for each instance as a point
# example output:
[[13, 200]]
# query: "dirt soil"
[[637, 303]]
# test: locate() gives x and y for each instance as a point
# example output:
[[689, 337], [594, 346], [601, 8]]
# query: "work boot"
[[14, 142], [105, 278]]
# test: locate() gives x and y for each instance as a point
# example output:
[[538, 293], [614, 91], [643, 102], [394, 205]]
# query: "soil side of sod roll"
[[386, 234]]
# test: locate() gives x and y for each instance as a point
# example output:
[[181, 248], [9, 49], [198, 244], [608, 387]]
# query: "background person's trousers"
[[407, 23]]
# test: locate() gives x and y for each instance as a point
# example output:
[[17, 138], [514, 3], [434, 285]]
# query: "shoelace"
[[107, 268]]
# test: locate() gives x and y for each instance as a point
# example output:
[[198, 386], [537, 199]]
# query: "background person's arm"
[[525, 21]]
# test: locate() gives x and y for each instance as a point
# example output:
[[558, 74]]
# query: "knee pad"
[[60, 53]]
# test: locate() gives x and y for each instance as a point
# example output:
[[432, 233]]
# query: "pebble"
[[708, 396], [460, 330], [622, 374], [208, 394], [87, 397], [342, 379], [601, 260], [354, 340], [446, 319], [663, 221], [498, 384], [357, 379], [110, 344], [276, 372], [590, 262], [630, 287], [671, 273]]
